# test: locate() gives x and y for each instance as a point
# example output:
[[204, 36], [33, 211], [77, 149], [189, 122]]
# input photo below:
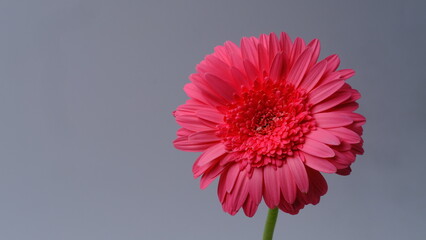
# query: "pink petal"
[[263, 54], [324, 91], [250, 70], [203, 137], [346, 135], [249, 51], [316, 46], [210, 114], [316, 148], [277, 68], [298, 171], [240, 78], [256, 185], [239, 193], [210, 95], [332, 101], [235, 54], [313, 76], [231, 177], [274, 46], [287, 184], [211, 154], [183, 144], [320, 164], [332, 120], [194, 92], [299, 68], [220, 86], [210, 175], [192, 122], [217, 67], [271, 189], [333, 63], [285, 42], [323, 136], [298, 47]]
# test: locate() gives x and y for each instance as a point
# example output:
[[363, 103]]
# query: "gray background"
[[86, 94]]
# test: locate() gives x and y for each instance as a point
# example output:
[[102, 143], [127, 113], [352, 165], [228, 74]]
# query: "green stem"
[[271, 219]]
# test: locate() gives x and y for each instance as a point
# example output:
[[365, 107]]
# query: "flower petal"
[[332, 120], [313, 76], [299, 68], [320, 164], [271, 190], [323, 136], [316, 148], [332, 101], [298, 171], [210, 114], [277, 68], [256, 185], [324, 91], [211, 154], [287, 184], [345, 134]]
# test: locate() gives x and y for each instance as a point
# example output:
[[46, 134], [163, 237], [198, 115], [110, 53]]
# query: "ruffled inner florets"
[[266, 123]]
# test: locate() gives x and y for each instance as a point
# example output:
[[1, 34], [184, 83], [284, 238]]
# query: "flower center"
[[267, 123]]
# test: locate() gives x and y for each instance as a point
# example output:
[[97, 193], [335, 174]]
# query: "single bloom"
[[269, 119]]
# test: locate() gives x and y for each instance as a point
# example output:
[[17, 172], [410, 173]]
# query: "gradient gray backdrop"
[[86, 94]]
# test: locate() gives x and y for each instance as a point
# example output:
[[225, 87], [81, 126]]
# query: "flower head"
[[268, 119]]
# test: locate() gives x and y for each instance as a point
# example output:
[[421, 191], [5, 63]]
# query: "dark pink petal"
[[250, 207], [344, 172]]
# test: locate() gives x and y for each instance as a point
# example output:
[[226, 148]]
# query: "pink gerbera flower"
[[268, 119]]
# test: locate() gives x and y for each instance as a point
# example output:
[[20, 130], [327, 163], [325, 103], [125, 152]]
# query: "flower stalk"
[[271, 219]]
